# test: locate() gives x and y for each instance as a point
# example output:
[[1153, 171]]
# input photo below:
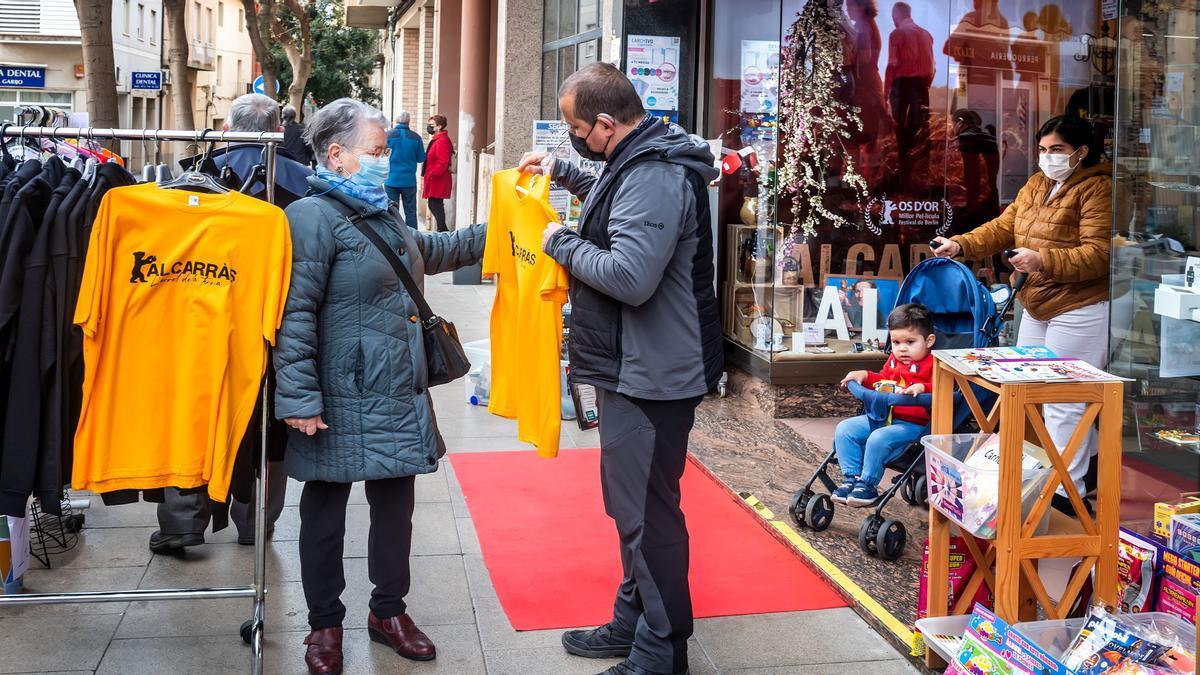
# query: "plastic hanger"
[[193, 178]]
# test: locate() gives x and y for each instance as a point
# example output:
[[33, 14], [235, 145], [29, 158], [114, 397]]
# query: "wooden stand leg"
[[1108, 500], [938, 587], [1008, 529]]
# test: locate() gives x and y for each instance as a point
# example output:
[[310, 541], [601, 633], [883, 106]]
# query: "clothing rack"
[[251, 630]]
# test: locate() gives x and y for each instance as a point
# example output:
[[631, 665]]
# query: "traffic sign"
[[260, 87]]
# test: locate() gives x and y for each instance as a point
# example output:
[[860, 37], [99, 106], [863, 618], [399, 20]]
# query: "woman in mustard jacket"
[[1060, 227]]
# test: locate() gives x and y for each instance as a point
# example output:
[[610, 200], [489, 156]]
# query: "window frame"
[[551, 49]]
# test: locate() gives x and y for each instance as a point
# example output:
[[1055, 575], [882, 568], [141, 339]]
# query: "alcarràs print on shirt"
[[147, 270]]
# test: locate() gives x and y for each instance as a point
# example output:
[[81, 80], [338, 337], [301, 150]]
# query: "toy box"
[[1179, 586], [1185, 535], [962, 566], [992, 647], [1165, 511], [1138, 561]]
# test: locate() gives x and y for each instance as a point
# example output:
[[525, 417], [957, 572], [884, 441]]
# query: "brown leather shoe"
[[324, 654], [402, 635]]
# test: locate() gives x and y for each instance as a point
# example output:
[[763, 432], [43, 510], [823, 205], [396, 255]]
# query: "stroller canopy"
[[960, 305]]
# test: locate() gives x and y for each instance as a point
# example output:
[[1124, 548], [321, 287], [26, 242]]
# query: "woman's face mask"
[[372, 171], [1058, 166]]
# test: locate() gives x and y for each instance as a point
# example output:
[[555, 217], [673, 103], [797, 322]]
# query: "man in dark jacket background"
[[293, 138], [645, 331], [407, 151]]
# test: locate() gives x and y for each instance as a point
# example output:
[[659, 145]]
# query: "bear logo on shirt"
[[140, 260]]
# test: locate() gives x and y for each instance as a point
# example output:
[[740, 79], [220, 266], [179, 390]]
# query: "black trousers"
[[323, 531], [437, 208], [643, 451], [909, 99]]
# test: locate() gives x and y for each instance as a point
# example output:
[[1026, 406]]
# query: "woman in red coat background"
[[437, 180]]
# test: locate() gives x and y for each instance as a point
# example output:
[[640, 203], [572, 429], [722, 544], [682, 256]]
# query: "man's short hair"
[[913, 316], [289, 114], [403, 117], [903, 8], [254, 112], [601, 88]]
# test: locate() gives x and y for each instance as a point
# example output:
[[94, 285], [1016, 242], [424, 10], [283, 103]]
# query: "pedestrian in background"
[[407, 152], [293, 138], [436, 172]]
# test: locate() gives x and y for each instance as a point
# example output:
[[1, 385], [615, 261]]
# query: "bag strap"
[[357, 220]]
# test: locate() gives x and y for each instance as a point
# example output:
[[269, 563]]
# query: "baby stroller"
[[964, 316]]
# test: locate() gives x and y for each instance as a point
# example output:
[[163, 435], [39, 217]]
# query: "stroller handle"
[[872, 398]]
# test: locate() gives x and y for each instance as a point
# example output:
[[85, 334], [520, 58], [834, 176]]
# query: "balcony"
[[368, 13], [202, 55]]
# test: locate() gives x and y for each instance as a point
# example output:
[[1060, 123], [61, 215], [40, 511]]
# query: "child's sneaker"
[[862, 495], [843, 491]]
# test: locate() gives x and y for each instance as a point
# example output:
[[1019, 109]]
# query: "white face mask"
[[1057, 167]]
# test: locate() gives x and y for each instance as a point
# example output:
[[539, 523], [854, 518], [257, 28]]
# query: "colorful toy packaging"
[[1137, 560], [1179, 587], [992, 647], [962, 566], [1185, 535], [1165, 511], [1107, 645]]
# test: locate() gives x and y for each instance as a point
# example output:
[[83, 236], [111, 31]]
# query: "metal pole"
[[129, 596], [138, 134]]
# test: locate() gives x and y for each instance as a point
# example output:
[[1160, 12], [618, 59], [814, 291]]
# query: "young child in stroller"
[[865, 447]]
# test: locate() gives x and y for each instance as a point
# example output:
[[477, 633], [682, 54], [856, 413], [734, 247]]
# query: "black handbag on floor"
[[445, 360]]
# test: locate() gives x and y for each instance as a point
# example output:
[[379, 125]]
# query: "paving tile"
[[458, 653], [185, 618], [434, 532], [142, 514], [457, 500], [791, 639], [476, 426], [496, 633], [556, 661], [110, 547], [478, 577], [176, 655], [207, 565], [496, 443], [467, 537], [49, 643], [39, 580], [432, 487], [358, 494]]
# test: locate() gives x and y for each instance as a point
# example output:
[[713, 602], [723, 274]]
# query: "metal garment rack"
[[252, 630]]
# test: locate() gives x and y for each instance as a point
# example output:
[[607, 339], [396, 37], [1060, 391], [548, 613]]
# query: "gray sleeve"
[[447, 251], [298, 389], [573, 179], [645, 223]]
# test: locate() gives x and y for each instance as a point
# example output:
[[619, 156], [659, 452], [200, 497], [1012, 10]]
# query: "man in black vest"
[[645, 331]]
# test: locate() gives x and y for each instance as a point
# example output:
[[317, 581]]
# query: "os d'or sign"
[[22, 76]]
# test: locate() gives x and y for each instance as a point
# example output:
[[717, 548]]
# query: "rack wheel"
[[73, 523], [908, 491], [867, 533], [247, 631], [922, 491], [890, 539], [819, 512], [799, 506]]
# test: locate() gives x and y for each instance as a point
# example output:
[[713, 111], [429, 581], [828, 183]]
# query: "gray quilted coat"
[[349, 348]]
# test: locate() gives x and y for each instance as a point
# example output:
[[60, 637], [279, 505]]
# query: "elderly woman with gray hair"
[[352, 379]]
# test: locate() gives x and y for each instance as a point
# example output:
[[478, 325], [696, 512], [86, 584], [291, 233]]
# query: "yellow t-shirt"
[[527, 315], [179, 291]]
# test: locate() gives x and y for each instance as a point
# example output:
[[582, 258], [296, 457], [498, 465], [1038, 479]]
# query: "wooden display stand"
[[1009, 566]]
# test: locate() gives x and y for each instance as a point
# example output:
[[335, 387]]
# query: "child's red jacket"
[[919, 372]]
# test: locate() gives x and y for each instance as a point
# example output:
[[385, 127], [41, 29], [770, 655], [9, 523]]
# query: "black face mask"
[[580, 145], [429, 129]]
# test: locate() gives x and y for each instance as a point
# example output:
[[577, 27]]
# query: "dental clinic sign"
[[22, 76]]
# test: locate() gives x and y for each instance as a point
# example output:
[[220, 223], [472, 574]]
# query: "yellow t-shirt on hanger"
[[181, 291], [531, 289]]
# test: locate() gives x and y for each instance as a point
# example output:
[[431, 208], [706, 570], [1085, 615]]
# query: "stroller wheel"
[[908, 491], [922, 491], [867, 533], [890, 539], [819, 512], [799, 506]]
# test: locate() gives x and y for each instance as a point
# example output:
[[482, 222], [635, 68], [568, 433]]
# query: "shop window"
[[571, 39], [943, 99]]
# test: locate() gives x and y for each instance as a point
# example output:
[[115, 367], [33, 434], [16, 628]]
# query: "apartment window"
[[237, 76], [221, 14], [153, 26], [208, 14], [241, 20], [125, 16], [141, 24], [220, 67], [199, 16], [570, 40]]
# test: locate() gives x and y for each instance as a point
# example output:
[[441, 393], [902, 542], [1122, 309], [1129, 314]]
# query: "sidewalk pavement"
[[452, 596]]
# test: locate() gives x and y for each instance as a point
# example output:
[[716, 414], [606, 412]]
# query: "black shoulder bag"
[[445, 359]]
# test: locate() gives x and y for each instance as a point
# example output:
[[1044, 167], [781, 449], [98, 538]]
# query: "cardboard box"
[[1185, 535], [1165, 511]]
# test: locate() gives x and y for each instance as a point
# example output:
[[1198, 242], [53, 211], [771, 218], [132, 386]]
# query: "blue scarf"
[[375, 196]]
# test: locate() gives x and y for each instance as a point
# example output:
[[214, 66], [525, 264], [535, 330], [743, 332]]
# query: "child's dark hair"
[[913, 316]]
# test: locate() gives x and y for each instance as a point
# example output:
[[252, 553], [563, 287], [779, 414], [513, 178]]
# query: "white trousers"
[[1078, 334]]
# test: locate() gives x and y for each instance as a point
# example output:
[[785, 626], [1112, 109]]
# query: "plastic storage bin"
[[478, 382], [969, 494], [1056, 635]]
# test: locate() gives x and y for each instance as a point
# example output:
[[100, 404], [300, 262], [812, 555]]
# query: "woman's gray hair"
[[340, 122]]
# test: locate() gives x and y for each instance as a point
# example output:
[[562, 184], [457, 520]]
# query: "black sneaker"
[[597, 643], [627, 668], [173, 544]]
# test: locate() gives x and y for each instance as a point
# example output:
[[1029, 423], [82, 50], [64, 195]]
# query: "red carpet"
[[552, 552]]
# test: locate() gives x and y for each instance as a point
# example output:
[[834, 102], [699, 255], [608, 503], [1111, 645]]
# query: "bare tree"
[[260, 39], [297, 44], [177, 60], [95, 30]]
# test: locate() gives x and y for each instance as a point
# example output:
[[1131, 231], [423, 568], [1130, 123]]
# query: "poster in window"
[[652, 63], [760, 76]]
